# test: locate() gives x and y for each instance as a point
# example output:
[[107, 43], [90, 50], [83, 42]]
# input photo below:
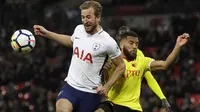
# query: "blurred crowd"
[[30, 82]]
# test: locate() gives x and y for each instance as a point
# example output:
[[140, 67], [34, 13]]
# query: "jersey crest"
[[96, 46]]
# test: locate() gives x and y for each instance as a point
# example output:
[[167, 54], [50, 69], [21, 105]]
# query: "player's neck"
[[97, 29]]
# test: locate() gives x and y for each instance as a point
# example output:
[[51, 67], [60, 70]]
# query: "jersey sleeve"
[[113, 50], [153, 84], [73, 35], [147, 62]]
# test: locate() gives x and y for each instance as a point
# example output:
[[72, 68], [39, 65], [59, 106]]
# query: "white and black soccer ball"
[[23, 41]]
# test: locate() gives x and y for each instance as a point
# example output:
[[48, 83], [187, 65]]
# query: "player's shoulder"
[[108, 39], [142, 58], [79, 27], [140, 53], [147, 59], [103, 33]]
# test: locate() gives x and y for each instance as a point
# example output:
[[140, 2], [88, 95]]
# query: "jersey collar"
[[127, 59], [99, 32]]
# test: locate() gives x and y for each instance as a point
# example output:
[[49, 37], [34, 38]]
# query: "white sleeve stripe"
[[149, 65], [116, 55]]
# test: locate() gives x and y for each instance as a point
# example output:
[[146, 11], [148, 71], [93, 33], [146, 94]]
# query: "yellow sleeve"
[[152, 83], [146, 62]]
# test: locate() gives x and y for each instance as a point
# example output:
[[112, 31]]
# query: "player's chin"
[[133, 55], [88, 29]]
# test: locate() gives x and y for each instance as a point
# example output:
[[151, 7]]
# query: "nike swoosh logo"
[[77, 38]]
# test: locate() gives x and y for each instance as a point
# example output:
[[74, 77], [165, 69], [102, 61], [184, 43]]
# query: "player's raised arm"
[[163, 65], [62, 39]]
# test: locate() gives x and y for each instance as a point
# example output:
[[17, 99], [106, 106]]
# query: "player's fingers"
[[110, 64], [181, 36], [184, 37], [107, 66], [36, 26], [100, 92], [99, 89], [186, 34], [103, 93], [37, 32]]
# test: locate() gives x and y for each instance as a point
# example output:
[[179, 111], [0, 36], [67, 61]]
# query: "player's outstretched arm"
[[163, 65], [152, 83], [62, 39]]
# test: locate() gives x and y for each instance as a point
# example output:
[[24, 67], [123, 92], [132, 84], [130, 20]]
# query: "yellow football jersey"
[[126, 91]]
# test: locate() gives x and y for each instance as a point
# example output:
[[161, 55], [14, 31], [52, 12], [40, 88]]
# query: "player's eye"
[[88, 16], [130, 42]]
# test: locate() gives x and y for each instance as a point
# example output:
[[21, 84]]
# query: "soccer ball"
[[23, 41]]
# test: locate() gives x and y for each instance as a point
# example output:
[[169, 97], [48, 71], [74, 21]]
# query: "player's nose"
[[84, 20], [134, 46]]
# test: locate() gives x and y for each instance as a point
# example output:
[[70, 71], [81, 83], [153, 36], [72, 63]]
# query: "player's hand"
[[103, 90], [107, 66], [182, 39], [166, 105], [40, 30]]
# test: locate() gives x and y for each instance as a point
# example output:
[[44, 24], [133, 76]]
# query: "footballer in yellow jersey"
[[125, 94]]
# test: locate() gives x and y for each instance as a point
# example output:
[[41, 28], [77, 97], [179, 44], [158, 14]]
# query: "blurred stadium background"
[[29, 83]]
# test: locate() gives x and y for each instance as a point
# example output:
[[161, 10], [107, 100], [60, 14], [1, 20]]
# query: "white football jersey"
[[89, 54]]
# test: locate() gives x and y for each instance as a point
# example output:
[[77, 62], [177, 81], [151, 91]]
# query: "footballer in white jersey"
[[91, 45], [89, 54]]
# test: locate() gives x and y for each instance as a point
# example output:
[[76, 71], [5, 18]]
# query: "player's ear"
[[98, 18], [121, 45]]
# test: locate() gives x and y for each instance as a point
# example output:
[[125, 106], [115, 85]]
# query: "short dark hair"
[[95, 5], [124, 32]]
